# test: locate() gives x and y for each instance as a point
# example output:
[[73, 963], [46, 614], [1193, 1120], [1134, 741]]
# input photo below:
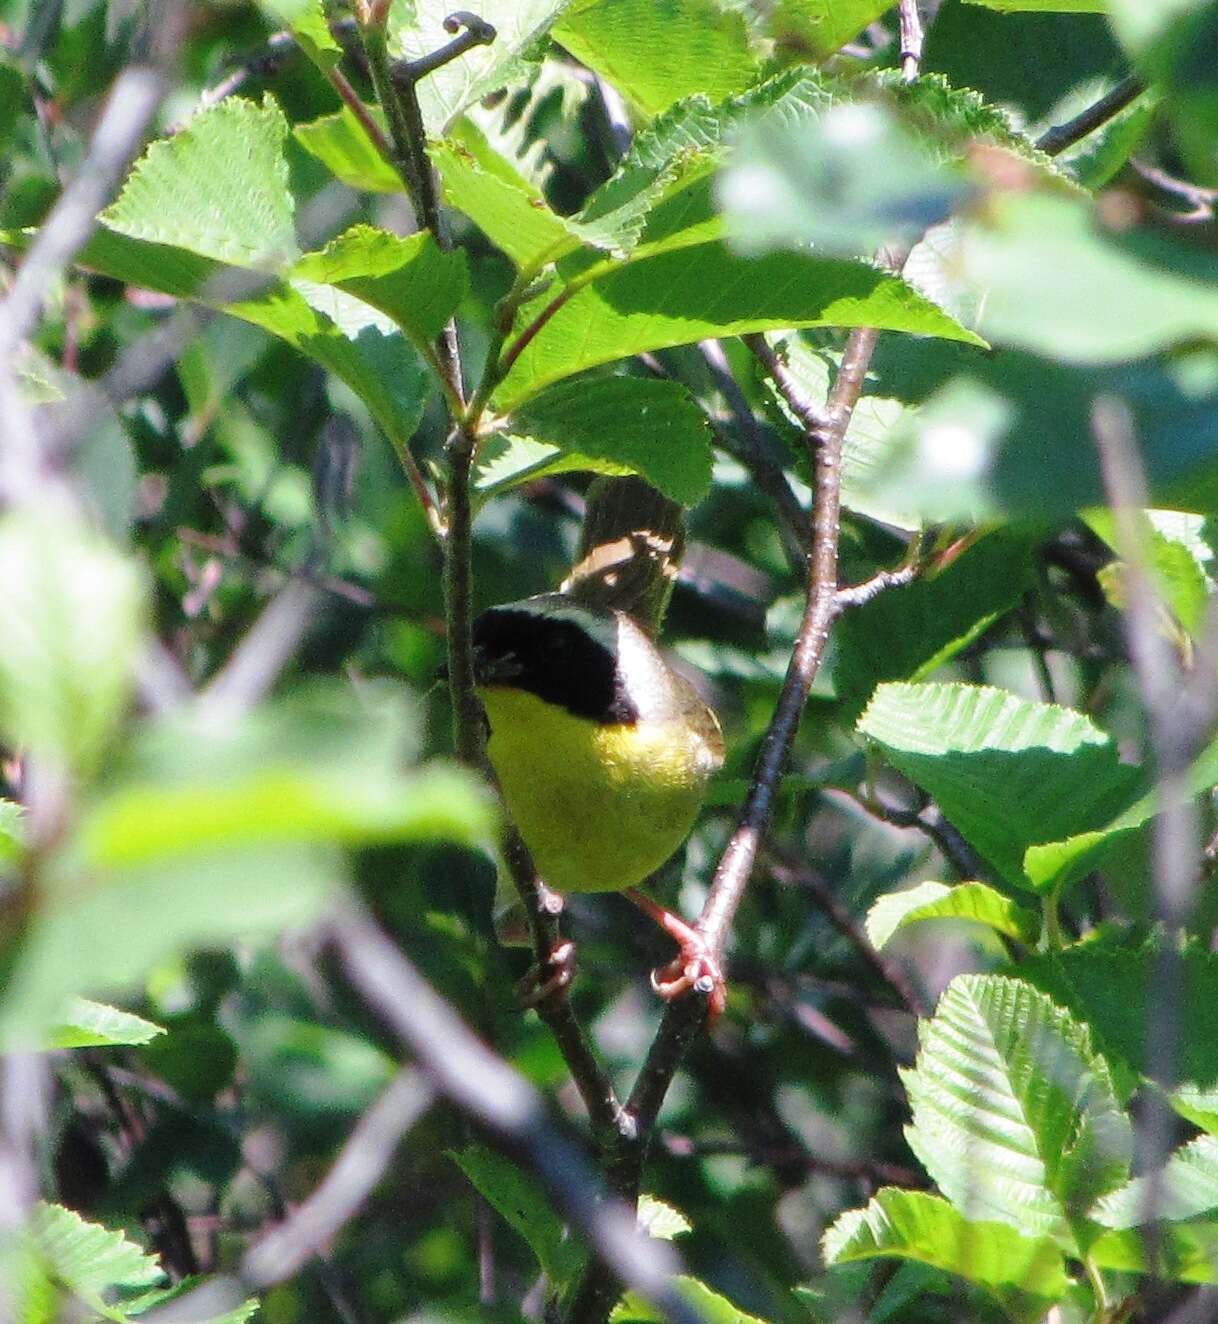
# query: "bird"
[[602, 751]]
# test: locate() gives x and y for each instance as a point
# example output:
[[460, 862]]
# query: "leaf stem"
[[1054, 938]]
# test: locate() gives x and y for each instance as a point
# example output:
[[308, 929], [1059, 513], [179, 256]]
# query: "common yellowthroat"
[[602, 751]]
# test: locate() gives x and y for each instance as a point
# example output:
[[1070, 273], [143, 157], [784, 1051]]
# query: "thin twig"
[[1061, 136], [502, 1102], [1177, 728], [25, 465], [911, 40], [813, 418], [751, 451], [597, 1291], [360, 1164], [857, 595], [264, 650], [845, 923], [354, 103]]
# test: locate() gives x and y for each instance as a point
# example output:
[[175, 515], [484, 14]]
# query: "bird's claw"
[[546, 981], [696, 970]]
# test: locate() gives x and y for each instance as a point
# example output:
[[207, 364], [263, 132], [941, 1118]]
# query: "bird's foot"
[[545, 981], [695, 968]]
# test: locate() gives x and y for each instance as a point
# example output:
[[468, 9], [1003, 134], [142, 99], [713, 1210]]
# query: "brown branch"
[[1179, 712], [845, 923], [1061, 136], [598, 1290], [911, 39], [505, 1105], [360, 1164]]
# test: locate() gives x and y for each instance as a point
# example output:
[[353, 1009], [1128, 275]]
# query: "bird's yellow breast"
[[600, 806]]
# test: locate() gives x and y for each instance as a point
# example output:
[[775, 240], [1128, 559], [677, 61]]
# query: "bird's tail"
[[629, 550]]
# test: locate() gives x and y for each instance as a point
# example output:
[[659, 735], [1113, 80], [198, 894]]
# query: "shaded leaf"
[[656, 52], [1111, 985], [1008, 773], [71, 617], [1055, 283], [524, 1206], [509, 210], [917, 1226], [680, 297], [340, 143], [653, 428], [968, 901], [713, 1308], [410, 280], [1185, 1188]]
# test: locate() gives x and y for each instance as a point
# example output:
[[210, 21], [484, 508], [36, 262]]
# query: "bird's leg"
[[553, 975], [695, 966], [544, 981]]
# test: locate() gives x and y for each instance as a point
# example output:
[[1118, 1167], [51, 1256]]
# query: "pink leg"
[[695, 967]]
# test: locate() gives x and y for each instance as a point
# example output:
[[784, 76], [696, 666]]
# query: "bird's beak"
[[486, 671], [495, 671]]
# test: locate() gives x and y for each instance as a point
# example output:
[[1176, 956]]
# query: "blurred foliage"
[[972, 789]]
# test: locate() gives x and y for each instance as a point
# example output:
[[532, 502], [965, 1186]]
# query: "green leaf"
[[88, 1259], [1111, 984], [653, 428], [677, 298], [713, 1308], [218, 188], [351, 339], [913, 1225], [821, 27], [416, 28], [523, 1205], [410, 280], [221, 828], [1009, 433], [1178, 559], [61, 1252], [1059, 863], [307, 20], [1055, 283], [1043, 6], [661, 1220], [506, 461], [105, 938], [1186, 1188], [656, 52], [509, 210], [86, 1024], [906, 633], [340, 143], [968, 901], [310, 1069], [1014, 1115], [844, 182], [71, 618], [1179, 1252], [311, 771], [12, 831], [1008, 773], [1169, 40]]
